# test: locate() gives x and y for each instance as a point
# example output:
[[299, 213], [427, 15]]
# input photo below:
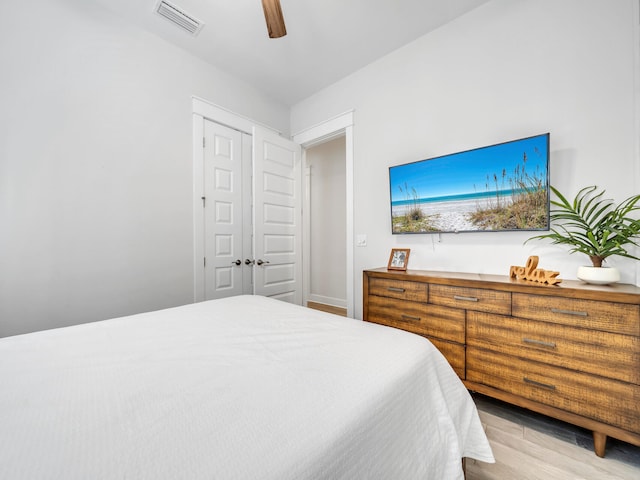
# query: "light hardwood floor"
[[528, 446], [328, 308]]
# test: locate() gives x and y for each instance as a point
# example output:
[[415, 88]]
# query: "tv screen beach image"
[[495, 188]]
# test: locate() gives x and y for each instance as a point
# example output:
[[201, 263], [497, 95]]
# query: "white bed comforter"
[[241, 388]]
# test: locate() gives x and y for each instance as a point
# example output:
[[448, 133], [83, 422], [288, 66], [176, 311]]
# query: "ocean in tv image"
[[494, 188]]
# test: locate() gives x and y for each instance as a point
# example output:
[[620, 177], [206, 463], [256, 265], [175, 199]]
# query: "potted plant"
[[595, 226]]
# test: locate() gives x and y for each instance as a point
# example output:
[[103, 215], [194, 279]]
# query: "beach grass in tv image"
[[502, 187]]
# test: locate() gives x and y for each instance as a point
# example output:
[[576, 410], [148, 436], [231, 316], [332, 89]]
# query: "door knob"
[[237, 262], [260, 261], [249, 262]]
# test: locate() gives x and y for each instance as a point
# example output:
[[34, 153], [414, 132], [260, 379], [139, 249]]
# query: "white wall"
[[509, 69], [96, 164], [328, 257]]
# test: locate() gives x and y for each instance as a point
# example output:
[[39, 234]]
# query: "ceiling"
[[326, 39]]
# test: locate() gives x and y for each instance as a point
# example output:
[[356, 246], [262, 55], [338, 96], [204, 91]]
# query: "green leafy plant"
[[594, 225]]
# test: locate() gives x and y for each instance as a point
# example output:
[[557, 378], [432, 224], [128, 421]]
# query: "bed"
[[245, 387]]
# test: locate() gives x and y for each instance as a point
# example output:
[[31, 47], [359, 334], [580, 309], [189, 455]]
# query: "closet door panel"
[[277, 215], [223, 214]]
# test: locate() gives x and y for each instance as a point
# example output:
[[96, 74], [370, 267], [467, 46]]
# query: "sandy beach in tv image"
[[499, 187], [452, 215]]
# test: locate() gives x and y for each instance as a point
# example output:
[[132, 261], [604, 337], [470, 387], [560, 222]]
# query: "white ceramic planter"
[[598, 275]]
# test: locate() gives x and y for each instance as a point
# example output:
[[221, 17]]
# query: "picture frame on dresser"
[[399, 259]]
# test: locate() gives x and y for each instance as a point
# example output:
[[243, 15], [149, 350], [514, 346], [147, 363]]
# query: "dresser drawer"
[[453, 352], [610, 401], [428, 320], [400, 289], [471, 298], [599, 315], [601, 353]]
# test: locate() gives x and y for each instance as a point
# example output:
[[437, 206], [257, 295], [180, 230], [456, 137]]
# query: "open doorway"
[[340, 126], [326, 199]]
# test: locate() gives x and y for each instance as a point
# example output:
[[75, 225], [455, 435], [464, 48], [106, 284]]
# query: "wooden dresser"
[[569, 351]]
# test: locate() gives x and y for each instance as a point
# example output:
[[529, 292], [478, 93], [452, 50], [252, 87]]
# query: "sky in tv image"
[[498, 187], [467, 173]]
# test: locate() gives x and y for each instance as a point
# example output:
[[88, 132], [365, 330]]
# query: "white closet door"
[[277, 217], [223, 212]]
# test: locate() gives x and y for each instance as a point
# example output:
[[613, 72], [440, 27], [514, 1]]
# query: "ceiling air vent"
[[179, 17]]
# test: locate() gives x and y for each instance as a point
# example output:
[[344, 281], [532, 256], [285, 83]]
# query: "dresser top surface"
[[620, 292]]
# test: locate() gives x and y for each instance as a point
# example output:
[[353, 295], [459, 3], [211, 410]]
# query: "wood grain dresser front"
[[569, 351]]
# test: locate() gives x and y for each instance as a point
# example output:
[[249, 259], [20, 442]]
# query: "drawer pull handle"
[[409, 317], [538, 384], [569, 312], [533, 341], [466, 299], [395, 289]]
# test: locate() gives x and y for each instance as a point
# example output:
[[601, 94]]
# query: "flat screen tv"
[[502, 187]]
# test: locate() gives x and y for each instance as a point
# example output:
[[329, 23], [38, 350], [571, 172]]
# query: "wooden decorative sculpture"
[[530, 272]]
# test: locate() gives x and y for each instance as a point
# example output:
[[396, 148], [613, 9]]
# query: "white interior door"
[[247, 194], [224, 218], [277, 216]]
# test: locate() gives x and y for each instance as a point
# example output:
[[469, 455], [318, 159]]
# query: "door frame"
[[201, 110], [340, 125]]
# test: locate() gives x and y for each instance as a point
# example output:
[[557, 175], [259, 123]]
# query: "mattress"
[[245, 387]]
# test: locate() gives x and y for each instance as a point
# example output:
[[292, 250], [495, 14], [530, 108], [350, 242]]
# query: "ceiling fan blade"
[[274, 18]]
